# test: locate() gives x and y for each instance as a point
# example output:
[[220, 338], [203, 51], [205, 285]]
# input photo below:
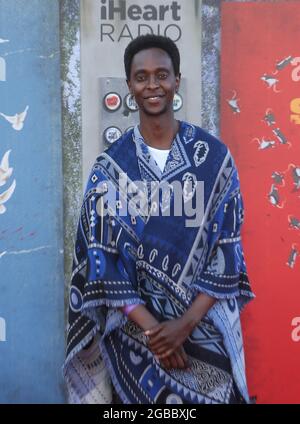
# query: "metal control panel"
[[118, 110]]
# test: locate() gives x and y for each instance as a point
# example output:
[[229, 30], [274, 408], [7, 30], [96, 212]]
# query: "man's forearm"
[[198, 310], [142, 317]]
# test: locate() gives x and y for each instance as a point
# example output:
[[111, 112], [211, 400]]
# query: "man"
[[159, 294]]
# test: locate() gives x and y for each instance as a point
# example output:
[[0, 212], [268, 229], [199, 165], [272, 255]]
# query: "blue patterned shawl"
[[122, 259]]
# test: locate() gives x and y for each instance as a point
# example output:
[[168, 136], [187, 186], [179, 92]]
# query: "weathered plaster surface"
[[211, 65], [211, 45], [71, 124]]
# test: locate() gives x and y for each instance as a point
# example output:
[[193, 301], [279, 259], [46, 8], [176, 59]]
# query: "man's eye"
[[140, 78], [162, 76]]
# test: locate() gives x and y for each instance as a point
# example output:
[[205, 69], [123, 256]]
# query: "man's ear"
[[178, 79], [128, 85]]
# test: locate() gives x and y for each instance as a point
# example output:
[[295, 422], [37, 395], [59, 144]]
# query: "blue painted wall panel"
[[31, 227]]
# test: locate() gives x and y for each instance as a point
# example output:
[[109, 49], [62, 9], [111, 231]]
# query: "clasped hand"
[[166, 342]]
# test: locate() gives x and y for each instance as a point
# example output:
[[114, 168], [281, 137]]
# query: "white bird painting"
[[271, 82], [264, 144], [5, 196], [3, 41], [5, 170], [233, 103], [17, 121]]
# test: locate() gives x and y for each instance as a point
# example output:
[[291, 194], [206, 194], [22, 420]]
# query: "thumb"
[[153, 331]]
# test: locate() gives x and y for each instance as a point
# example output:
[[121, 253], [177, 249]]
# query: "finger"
[[184, 356], [166, 354], [186, 361], [160, 350], [164, 346], [180, 363], [180, 360], [153, 331], [159, 346], [157, 342], [166, 363], [173, 361]]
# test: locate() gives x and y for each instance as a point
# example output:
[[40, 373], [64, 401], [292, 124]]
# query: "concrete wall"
[[71, 128], [104, 36]]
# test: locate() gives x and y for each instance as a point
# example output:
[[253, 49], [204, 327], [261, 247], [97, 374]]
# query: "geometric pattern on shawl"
[[120, 261]]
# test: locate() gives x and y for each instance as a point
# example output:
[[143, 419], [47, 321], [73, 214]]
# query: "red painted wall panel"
[[260, 121]]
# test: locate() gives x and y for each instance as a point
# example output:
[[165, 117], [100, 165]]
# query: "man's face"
[[153, 81]]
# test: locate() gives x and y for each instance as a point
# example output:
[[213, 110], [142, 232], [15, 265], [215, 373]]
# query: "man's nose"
[[153, 82]]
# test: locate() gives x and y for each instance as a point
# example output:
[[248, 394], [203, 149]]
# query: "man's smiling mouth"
[[153, 97]]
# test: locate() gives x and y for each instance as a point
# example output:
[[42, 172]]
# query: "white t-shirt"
[[160, 156]]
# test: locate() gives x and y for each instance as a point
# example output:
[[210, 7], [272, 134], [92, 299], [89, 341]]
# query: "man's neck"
[[159, 132]]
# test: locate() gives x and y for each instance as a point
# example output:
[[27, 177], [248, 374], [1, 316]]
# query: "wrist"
[[189, 321], [149, 325], [143, 318]]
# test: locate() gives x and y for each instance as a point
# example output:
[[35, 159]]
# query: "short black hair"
[[148, 41]]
